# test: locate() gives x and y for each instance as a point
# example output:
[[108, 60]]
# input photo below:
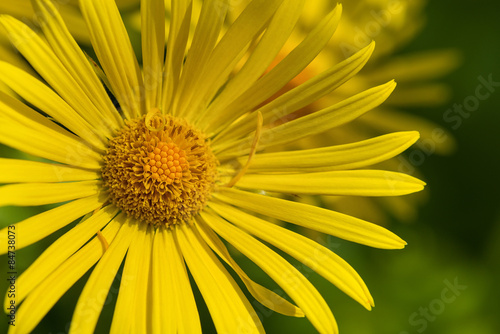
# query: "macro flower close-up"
[[162, 166]]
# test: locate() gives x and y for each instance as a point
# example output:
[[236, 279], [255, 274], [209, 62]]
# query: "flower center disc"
[[159, 170]]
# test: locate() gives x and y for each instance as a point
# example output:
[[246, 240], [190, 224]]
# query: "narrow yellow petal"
[[313, 217], [89, 307], [275, 36], [153, 49], [228, 306], [75, 61], [41, 56], [229, 50], [45, 99], [114, 50], [61, 250], [27, 194], [306, 93], [286, 276], [286, 70], [174, 308], [315, 256], [13, 170], [176, 48], [23, 128], [340, 157], [39, 302], [265, 296], [318, 122], [343, 183], [37, 227], [205, 36], [131, 308]]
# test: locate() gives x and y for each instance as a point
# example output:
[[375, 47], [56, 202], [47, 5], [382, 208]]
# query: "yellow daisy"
[[170, 165], [391, 24]]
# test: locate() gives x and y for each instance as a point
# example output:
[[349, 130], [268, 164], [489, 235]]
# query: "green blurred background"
[[454, 242]]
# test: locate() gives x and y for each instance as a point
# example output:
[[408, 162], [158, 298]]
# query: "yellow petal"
[[13, 170], [286, 70], [41, 56], [178, 35], [89, 307], [59, 251], [276, 34], [265, 296], [27, 194], [205, 36], [344, 183], [24, 129], [153, 49], [39, 302], [75, 61], [313, 217], [315, 123], [339, 157], [174, 308], [112, 46], [229, 50], [38, 94], [131, 306], [228, 306], [315, 256], [286, 276], [37, 227], [306, 93]]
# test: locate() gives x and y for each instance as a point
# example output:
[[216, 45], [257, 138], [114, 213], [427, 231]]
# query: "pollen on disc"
[[163, 157], [161, 173]]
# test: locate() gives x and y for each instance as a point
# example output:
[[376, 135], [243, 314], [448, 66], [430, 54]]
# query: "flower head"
[[165, 161]]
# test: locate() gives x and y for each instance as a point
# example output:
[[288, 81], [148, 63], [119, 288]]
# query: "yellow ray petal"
[[178, 35], [309, 216], [344, 183], [75, 61], [229, 50], [45, 99], [306, 93], [39, 302], [24, 129], [205, 36], [112, 46], [315, 123], [286, 70], [27, 194], [276, 34], [315, 256], [89, 307], [174, 307], [288, 278], [265, 296], [131, 307], [339, 157], [153, 49], [228, 306], [37, 227], [62, 249], [14, 170], [41, 56]]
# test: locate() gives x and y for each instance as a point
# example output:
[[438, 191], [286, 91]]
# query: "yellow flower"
[[391, 24], [171, 164]]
